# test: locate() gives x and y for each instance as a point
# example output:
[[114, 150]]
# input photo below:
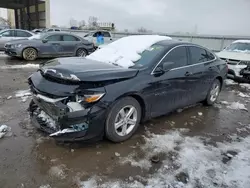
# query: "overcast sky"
[[224, 17]]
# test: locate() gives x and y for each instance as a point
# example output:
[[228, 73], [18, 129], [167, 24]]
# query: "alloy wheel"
[[214, 93], [81, 53], [30, 54], [125, 120]]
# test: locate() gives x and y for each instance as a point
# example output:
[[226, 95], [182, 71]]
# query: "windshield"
[[239, 47], [89, 34], [148, 55]]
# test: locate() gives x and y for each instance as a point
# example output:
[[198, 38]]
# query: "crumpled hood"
[[241, 56], [82, 69]]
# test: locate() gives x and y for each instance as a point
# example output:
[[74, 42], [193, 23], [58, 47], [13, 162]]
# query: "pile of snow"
[[245, 86], [31, 66], [243, 95], [125, 51], [237, 106], [4, 131], [23, 94], [47, 119], [195, 164], [230, 82]]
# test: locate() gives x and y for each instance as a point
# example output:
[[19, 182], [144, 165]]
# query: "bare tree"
[[93, 21], [82, 23], [4, 21], [142, 30]]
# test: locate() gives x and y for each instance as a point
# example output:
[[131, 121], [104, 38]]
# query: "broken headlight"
[[89, 98]]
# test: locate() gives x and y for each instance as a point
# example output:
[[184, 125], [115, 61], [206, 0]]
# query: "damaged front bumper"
[[62, 123]]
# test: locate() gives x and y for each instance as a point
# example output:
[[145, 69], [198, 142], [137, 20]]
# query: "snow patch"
[[31, 66], [201, 163], [48, 120], [45, 186], [243, 95], [58, 171], [245, 86], [63, 132], [125, 51], [242, 41], [237, 106], [23, 94], [5, 131], [229, 82]]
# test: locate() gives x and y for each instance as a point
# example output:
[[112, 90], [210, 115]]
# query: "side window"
[[199, 55], [178, 57], [50, 30], [9, 33], [57, 29], [69, 38], [95, 34], [106, 34], [244, 63], [210, 56], [54, 38], [22, 34]]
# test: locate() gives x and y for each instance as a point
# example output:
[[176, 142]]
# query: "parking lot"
[[194, 147]]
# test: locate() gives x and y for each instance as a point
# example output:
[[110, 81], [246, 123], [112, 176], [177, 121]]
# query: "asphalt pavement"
[[28, 158]]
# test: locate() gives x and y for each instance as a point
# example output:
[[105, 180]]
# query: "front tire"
[[213, 92], [123, 119], [29, 54]]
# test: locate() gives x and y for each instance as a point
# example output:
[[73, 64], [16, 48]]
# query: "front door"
[[52, 47], [170, 90]]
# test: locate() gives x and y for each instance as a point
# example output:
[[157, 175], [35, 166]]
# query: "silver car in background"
[[50, 44], [13, 34]]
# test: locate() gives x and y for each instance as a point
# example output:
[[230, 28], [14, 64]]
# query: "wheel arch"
[[139, 99], [221, 81]]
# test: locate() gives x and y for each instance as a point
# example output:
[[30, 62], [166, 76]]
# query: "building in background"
[[27, 14]]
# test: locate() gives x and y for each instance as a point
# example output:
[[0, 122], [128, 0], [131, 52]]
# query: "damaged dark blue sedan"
[[112, 91]]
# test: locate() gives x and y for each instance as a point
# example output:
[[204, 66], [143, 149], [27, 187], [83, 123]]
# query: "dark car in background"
[[80, 98], [52, 44]]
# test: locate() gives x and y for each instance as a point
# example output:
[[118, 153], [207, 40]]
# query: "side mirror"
[[45, 40], [166, 66]]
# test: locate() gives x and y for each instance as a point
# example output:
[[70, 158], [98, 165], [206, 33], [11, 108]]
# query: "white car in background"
[[91, 36], [237, 56]]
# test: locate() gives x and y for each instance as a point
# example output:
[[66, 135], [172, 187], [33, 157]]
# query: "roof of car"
[[172, 42]]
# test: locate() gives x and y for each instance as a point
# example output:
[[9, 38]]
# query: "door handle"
[[188, 74]]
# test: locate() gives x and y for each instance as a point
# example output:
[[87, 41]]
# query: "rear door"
[[5, 37], [70, 44], [170, 89], [53, 47], [200, 76]]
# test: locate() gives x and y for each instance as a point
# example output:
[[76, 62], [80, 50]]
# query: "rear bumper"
[[59, 123]]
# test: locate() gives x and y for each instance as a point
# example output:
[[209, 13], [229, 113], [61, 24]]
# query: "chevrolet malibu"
[[110, 92]]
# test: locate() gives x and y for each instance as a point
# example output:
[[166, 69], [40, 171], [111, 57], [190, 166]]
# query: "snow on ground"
[[237, 106], [245, 86], [126, 50], [189, 163], [23, 94], [5, 131], [230, 82], [31, 66]]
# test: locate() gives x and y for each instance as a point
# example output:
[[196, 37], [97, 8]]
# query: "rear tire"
[[213, 92], [123, 119], [81, 52], [29, 54]]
